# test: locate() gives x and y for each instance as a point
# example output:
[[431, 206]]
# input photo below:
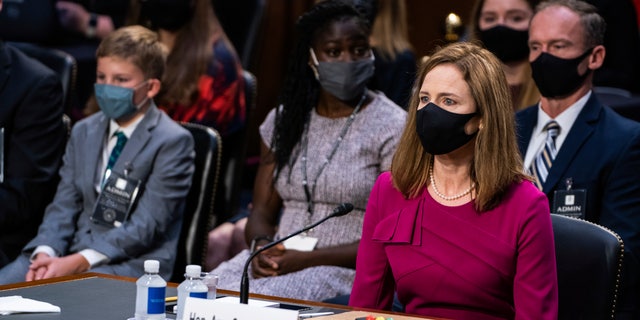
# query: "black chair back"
[[59, 61], [233, 160], [199, 215], [623, 102], [589, 261]]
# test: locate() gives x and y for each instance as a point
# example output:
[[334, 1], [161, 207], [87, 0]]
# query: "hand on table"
[[45, 267], [277, 261]]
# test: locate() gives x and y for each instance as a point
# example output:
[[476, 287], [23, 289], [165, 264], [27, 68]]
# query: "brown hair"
[[529, 94], [390, 32], [190, 56], [138, 45], [191, 53], [496, 163]]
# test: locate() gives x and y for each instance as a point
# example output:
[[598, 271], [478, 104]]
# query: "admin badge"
[[115, 200], [569, 199], [121, 184], [570, 203]]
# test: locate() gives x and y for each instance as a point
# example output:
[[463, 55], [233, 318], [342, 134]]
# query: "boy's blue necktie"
[[117, 149]]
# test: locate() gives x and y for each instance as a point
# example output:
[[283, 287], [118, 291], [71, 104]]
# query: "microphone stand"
[[244, 283]]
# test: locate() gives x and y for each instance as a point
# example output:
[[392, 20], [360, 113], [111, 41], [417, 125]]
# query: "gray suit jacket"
[[160, 154]]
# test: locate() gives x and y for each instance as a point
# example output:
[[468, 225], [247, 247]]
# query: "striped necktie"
[[117, 149], [543, 161]]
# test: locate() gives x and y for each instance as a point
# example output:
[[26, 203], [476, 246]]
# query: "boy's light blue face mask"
[[117, 102]]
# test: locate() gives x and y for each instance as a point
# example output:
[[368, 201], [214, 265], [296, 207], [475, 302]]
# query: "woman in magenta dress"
[[456, 228]]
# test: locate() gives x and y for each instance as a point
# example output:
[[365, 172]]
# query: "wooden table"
[[105, 297]]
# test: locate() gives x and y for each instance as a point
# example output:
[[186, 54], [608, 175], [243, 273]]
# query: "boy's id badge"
[[301, 243], [115, 200], [570, 202]]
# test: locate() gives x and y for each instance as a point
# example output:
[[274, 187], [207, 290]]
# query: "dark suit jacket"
[[602, 155], [394, 77], [160, 154], [34, 138]]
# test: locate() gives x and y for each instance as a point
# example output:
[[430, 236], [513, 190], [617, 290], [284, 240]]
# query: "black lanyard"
[[305, 142]]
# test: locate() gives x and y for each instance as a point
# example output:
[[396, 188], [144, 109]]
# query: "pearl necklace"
[[441, 195]]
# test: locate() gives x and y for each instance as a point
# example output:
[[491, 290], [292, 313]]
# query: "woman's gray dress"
[[366, 150]]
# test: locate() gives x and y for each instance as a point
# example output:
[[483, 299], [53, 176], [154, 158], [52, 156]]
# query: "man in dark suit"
[[32, 146], [571, 141]]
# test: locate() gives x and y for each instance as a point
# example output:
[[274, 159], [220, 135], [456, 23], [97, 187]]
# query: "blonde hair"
[[137, 45], [529, 94], [390, 31], [496, 163]]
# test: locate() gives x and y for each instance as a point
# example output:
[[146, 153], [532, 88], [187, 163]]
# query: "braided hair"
[[301, 90]]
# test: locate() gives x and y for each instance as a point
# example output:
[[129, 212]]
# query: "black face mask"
[[441, 131], [507, 44], [167, 14], [557, 77]]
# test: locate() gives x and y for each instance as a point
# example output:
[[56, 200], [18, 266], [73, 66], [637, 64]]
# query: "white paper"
[[301, 243], [214, 309], [252, 302], [18, 304]]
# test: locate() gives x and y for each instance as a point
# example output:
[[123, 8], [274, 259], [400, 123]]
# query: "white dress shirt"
[[539, 136]]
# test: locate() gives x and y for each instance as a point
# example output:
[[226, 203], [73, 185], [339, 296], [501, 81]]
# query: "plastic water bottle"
[[150, 293], [192, 286]]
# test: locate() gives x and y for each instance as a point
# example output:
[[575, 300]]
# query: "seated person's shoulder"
[[525, 191], [172, 130], [526, 112], [385, 189], [384, 183], [30, 66], [385, 178], [619, 126], [81, 127], [388, 110], [223, 51], [269, 120]]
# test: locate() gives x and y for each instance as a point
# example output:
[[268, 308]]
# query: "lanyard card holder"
[[115, 201], [570, 202]]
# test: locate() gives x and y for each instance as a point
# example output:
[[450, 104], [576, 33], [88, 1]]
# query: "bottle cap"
[[151, 266], [193, 270]]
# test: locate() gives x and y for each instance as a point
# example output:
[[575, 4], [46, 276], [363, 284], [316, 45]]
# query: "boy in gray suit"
[[126, 173]]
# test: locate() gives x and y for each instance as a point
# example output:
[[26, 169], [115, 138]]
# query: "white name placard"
[[209, 309]]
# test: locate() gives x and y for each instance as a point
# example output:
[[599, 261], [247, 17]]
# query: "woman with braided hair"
[[324, 145]]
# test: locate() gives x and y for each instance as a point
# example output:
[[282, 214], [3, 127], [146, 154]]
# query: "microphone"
[[339, 211]]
